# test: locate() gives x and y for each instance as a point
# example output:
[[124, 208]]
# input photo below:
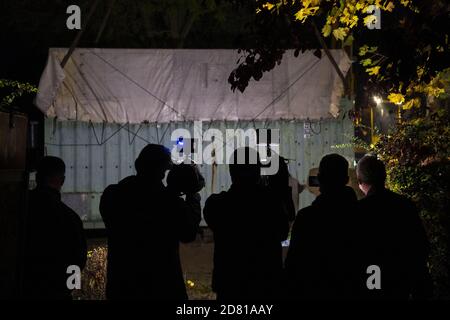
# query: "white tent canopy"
[[164, 85]]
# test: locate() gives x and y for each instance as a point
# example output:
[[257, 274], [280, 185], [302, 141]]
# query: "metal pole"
[[371, 125], [329, 55], [79, 35]]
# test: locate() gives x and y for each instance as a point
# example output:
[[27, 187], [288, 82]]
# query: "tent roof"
[[163, 85]]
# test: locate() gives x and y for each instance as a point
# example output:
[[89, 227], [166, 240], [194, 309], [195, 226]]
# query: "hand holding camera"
[[185, 179]]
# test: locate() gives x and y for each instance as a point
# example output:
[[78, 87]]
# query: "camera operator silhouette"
[[319, 262], [145, 222], [54, 237], [249, 223]]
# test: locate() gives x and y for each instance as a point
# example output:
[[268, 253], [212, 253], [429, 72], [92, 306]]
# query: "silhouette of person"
[[319, 255], [54, 237], [392, 238], [145, 221], [248, 223]]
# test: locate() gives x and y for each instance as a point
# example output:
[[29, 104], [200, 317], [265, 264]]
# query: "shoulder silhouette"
[[54, 236], [249, 223], [145, 222], [393, 237], [319, 256]]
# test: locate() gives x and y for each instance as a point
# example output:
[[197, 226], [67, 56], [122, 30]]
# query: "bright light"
[[377, 100], [190, 283]]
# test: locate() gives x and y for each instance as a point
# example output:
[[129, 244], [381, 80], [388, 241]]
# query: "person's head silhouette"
[[153, 162], [333, 172], [245, 166], [51, 173], [371, 174]]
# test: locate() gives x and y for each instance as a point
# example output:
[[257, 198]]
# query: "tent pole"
[[329, 55], [79, 34], [105, 20]]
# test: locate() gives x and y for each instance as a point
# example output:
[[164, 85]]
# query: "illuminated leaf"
[[366, 62], [408, 105], [340, 33], [390, 6], [268, 6], [396, 98], [326, 30], [371, 19], [373, 71]]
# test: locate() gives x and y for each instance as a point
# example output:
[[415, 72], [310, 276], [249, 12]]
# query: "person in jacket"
[[145, 222], [248, 223], [54, 237], [319, 263], [392, 238]]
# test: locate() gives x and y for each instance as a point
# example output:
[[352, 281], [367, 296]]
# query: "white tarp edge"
[[163, 85]]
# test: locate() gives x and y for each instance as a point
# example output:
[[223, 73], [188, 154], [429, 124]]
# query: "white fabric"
[[163, 85], [49, 83]]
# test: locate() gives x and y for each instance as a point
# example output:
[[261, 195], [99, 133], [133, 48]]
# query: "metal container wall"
[[97, 155]]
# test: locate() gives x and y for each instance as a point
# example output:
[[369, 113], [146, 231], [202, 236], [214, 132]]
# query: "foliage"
[[93, 277], [417, 157], [401, 59], [418, 165], [12, 90]]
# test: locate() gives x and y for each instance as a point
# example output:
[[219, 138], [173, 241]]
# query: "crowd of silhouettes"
[[333, 241]]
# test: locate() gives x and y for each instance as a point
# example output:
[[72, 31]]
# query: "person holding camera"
[[145, 221]]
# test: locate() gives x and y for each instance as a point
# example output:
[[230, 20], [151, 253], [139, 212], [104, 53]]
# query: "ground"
[[196, 258]]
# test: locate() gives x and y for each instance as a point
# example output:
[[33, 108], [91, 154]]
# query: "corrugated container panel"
[[97, 155]]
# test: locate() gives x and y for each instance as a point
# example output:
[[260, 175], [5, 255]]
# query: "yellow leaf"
[[353, 21], [370, 19], [326, 30], [420, 71], [390, 6], [268, 6], [408, 105], [373, 71], [366, 62], [331, 20], [304, 13], [360, 6], [405, 2], [339, 33], [363, 50], [396, 98]]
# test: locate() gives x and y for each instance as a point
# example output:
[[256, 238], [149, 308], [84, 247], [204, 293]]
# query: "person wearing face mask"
[[54, 237], [392, 237]]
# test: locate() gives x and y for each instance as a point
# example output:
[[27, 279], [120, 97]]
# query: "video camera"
[[185, 179]]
